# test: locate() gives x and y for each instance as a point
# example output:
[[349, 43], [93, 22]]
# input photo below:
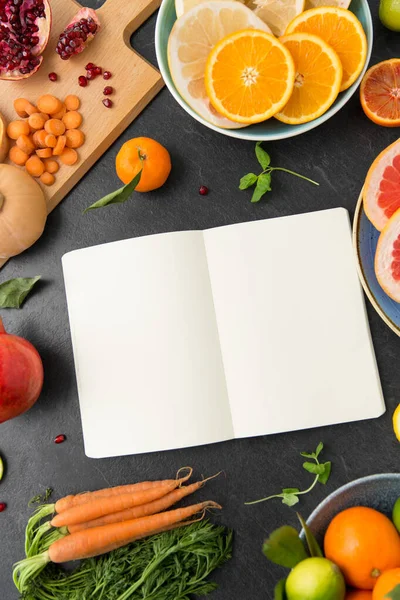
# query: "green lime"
[[396, 514], [389, 14], [1, 468], [315, 579]]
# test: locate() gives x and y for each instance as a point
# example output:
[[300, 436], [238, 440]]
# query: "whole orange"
[[148, 155], [359, 595], [386, 584], [363, 543]]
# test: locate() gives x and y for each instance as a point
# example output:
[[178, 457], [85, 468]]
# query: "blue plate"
[[271, 129], [365, 239]]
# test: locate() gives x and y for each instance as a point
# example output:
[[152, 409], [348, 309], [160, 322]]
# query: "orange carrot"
[[78, 499], [144, 510], [99, 507], [99, 540]]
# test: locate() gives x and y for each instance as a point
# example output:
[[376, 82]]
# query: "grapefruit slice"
[[182, 6], [338, 3], [379, 93], [192, 38], [277, 14], [381, 195], [387, 258]]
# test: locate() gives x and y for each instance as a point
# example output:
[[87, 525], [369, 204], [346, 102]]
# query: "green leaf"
[[280, 590], [394, 594], [307, 455], [262, 156], [323, 478], [319, 449], [247, 181], [312, 543], [314, 468], [263, 186], [284, 547], [290, 499], [14, 291], [290, 491], [117, 197]]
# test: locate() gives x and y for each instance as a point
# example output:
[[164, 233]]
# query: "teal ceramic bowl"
[[375, 491], [271, 129]]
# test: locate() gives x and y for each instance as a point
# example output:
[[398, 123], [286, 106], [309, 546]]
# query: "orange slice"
[[249, 76], [381, 193], [380, 93], [341, 29], [318, 78], [387, 258]]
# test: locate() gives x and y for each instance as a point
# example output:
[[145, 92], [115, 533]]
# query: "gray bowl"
[[375, 491]]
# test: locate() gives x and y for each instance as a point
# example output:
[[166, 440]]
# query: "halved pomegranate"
[[24, 34], [78, 34]]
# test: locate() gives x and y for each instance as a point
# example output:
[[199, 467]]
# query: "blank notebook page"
[[292, 324], [147, 355]]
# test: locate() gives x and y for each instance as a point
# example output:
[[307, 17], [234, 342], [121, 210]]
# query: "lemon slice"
[[277, 14], [396, 422], [192, 38]]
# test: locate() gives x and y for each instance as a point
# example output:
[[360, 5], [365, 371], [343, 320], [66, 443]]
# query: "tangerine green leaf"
[[280, 590], [314, 468], [323, 478], [319, 449], [394, 594], [262, 156], [284, 547], [119, 196], [263, 186], [247, 181], [313, 546]]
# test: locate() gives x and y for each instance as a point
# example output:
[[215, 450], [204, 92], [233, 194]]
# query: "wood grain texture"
[[135, 81]]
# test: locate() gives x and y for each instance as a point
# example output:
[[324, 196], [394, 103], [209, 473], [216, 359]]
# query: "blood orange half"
[[387, 258], [381, 193], [380, 93]]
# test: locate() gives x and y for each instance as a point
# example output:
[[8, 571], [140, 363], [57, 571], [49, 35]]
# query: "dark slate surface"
[[338, 155]]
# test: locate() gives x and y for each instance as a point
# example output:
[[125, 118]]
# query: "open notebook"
[[188, 338]]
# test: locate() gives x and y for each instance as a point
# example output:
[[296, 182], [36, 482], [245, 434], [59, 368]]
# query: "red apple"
[[21, 375]]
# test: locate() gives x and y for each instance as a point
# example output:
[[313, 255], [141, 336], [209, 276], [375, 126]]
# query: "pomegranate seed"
[[98, 71], [108, 90], [90, 75], [203, 190], [82, 81], [107, 75], [53, 76], [3, 506], [107, 102], [60, 439], [90, 66]]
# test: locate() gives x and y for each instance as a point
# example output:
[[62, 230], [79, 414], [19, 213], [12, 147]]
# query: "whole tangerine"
[[148, 155], [359, 595], [387, 582], [363, 543]]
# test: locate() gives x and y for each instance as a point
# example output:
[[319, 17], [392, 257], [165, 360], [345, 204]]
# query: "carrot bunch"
[[93, 523]]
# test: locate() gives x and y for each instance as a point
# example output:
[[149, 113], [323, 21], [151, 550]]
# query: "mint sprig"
[[263, 180], [322, 471]]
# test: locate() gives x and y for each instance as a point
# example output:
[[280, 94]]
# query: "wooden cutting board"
[[135, 82]]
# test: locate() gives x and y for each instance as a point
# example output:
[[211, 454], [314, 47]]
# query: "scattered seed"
[[108, 90], [203, 190], [1, 468], [107, 102], [107, 75], [53, 76], [60, 439], [90, 75], [82, 81], [90, 66], [97, 70], [3, 506]]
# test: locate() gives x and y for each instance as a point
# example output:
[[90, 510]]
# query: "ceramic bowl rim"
[[243, 134], [347, 486]]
